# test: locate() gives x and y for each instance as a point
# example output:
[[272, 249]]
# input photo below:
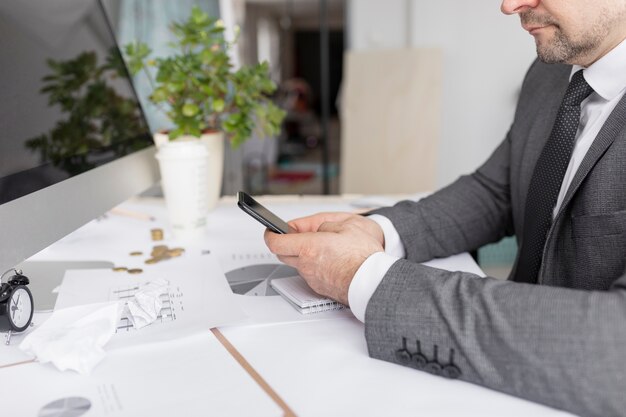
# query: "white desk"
[[318, 367]]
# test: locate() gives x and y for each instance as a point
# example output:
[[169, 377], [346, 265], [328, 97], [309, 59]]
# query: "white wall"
[[486, 55], [376, 24]]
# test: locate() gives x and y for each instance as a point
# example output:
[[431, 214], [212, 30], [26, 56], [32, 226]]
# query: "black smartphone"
[[263, 215]]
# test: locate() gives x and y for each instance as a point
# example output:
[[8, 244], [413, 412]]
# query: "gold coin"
[[135, 271], [151, 261], [136, 253], [120, 269], [175, 252], [159, 250], [157, 234]]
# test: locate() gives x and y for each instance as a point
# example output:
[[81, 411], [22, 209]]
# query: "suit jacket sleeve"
[[557, 346]]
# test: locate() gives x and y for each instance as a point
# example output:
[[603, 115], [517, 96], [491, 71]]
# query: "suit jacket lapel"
[[611, 129]]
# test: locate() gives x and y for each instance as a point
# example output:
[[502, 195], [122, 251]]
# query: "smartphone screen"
[[263, 215]]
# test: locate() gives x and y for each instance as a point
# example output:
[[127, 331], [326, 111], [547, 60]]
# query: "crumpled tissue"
[[145, 306], [74, 337]]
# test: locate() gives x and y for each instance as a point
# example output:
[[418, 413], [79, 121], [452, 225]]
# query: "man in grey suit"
[[555, 332]]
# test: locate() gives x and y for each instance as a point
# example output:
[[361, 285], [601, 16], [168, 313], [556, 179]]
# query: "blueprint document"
[[198, 298]]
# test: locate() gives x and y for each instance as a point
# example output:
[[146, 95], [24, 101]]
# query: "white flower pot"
[[214, 143], [191, 178], [184, 166]]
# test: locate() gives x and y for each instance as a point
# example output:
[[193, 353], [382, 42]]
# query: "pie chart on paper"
[[254, 280], [66, 407]]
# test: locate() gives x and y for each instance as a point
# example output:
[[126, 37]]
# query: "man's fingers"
[[286, 245], [289, 260], [312, 223], [330, 227]]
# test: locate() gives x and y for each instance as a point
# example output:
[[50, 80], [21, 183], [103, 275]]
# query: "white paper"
[[323, 368], [189, 377], [198, 299]]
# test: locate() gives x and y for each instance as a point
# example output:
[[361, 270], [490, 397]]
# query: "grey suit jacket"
[[560, 343]]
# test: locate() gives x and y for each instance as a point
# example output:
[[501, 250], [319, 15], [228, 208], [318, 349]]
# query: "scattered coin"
[[136, 253], [159, 250], [175, 252], [120, 269], [163, 257], [157, 234], [135, 271], [162, 252]]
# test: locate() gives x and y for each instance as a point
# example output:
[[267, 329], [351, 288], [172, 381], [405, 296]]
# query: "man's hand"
[[327, 249], [313, 223]]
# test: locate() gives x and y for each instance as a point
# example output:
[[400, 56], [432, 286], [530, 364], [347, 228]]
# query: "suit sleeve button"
[[433, 368], [420, 360], [403, 356], [451, 371]]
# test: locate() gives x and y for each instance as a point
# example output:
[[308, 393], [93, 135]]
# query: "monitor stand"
[[45, 276]]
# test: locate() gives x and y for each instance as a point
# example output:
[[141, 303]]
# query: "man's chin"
[[549, 53], [548, 58]]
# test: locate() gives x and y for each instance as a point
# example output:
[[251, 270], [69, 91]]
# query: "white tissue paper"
[[145, 306], [73, 338]]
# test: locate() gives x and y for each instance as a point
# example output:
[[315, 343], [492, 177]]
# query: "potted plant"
[[203, 95]]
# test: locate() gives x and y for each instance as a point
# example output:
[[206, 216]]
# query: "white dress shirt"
[[607, 77]]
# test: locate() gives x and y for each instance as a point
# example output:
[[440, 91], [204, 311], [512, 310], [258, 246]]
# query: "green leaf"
[[159, 95], [175, 87], [176, 133], [218, 105], [190, 109], [198, 16]]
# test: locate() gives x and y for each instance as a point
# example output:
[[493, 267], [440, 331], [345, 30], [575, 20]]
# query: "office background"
[[481, 72], [480, 77]]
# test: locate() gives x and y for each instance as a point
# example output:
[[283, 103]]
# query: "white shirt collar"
[[607, 76]]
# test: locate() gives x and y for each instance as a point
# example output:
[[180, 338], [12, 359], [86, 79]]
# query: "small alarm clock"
[[16, 304]]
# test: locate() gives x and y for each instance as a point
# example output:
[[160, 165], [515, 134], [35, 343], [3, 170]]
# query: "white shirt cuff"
[[393, 244], [366, 280]]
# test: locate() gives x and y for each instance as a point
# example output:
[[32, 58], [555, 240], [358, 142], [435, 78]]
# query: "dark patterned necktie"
[[547, 179]]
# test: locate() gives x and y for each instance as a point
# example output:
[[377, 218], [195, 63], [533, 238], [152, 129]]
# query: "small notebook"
[[296, 291]]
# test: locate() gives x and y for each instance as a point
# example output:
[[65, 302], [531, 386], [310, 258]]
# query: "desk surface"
[[320, 366]]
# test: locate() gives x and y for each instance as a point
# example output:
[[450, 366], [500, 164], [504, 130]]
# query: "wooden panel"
[[391, 117]]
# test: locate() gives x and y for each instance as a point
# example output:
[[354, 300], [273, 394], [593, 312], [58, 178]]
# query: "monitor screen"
[[66, 102], [73, 138]]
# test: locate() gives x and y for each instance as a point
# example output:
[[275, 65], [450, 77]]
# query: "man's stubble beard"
[[560, 48]]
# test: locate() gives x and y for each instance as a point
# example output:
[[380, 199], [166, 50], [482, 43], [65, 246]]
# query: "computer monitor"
[[73, 138]]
